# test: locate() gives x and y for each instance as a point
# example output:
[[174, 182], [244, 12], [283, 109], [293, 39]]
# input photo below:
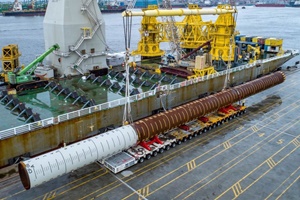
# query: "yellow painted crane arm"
[[179, 12]]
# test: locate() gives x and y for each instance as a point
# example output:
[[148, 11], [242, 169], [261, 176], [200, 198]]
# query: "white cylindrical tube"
[[48, 166]]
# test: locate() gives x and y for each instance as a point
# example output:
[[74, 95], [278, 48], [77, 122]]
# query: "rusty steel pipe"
[[162, 122]]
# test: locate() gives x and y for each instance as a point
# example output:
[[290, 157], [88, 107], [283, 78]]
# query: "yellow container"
[[273, 42], [243, 38], [256, 39]]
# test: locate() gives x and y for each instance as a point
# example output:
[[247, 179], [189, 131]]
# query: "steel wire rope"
[[127, 26], [234, 18]]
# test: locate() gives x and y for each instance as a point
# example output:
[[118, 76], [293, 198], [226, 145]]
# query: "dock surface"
[[254, 156]]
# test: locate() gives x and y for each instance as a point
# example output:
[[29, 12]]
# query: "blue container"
[[144, 3], [238, 37], [249, 38], [243, 45]]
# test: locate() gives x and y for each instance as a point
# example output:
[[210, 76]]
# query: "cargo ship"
[[179, 4], [24, 13], [112, 6], [294, 3], [269, 4], [33, 9], [173, 3], [206, 3], [84, 91], [38, 8]]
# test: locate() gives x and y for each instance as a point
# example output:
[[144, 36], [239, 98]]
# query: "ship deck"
[[49, 102], [255, 156]]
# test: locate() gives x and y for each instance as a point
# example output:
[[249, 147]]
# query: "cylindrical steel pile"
[[157, 124], [45, 167]]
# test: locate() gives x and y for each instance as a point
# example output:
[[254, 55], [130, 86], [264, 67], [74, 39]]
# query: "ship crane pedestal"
[[76, 23]]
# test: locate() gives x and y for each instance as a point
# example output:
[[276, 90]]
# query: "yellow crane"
[[193, 30]]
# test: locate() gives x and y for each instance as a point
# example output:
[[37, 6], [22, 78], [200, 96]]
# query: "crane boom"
[[37, 60], [202, 45], [179, 12]]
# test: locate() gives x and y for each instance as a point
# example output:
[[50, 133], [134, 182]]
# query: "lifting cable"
[[234, 18], [127, 26]]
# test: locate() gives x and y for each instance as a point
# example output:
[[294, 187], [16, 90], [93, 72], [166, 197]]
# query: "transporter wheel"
[[214, 126], [141, 160], [168, 147], [204, 130], [162, 150], [219, 123], [196, 134], [184, 139], [238, 114], [173, 145], [209, 128], [148, 156], [154, 153], [179, 142], [190, 137]]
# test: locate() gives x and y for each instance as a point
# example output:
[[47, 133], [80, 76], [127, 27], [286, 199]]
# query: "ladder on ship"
[[87, 34]]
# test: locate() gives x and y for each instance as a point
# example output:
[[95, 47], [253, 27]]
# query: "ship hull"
[[25, 13], [112, 10], [71, 127], [269, 5]]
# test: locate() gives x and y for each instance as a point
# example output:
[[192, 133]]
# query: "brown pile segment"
[[162, 122]]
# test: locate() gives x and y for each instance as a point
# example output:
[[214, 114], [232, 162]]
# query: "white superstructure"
[[17, 6], [78, 28]]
